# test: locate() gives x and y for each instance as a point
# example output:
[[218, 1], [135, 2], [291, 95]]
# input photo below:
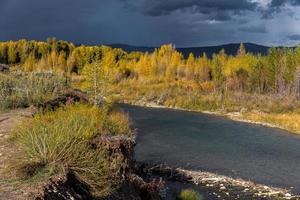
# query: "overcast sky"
[[153, 22]]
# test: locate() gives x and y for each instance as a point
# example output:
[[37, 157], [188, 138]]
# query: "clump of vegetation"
[[58, 143], [29, 89], [188, 194]]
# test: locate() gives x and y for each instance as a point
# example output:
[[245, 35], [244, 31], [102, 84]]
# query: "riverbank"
[[285, 121], [221, 187], [68, 185]]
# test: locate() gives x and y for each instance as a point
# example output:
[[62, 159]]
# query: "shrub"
[[30, 89], [58, 143], [189, 194]]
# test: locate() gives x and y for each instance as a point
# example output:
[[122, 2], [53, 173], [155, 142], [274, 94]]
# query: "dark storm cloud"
[[279, 3], [158, 7], [254, 29], [149, 22], [294, 37], [89, 22], [276, 6], [213, 9]]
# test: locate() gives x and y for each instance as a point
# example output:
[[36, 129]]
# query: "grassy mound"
[[58, 143], [189, 194]]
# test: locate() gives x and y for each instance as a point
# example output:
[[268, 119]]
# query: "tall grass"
[[29, 89], [58, 143], [289, 121]]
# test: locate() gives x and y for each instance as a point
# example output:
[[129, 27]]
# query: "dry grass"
[[29, 89], [287, 121], [58, 143]]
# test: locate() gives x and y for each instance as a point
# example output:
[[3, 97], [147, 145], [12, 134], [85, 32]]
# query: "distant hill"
[[230, 49]]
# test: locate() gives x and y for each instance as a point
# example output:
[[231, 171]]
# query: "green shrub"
[[189, 194], [58, 142]]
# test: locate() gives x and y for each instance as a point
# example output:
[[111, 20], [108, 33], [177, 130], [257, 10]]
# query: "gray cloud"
[[279, 3], [254, 29], [295, 37], [213, 9], [276, 6], [157, 7], [149, 22]]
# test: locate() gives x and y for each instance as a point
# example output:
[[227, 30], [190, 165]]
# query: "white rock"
[[288, 195], [222, 188]]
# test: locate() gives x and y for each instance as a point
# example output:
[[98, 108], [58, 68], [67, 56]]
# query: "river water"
[[216, 144]]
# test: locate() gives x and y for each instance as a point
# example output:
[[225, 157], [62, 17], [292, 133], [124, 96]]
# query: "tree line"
[[278, 72]]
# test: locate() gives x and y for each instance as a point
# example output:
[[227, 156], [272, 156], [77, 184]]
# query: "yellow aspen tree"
[[189, 67], [29, 63], [61, 62]]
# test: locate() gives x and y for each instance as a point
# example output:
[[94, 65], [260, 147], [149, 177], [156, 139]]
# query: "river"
[[198, 141]]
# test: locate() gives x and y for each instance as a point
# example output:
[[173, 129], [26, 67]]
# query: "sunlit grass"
[[288, 121], [58, 143]]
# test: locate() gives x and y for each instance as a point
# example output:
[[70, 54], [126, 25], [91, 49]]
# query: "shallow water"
[[216, 144]]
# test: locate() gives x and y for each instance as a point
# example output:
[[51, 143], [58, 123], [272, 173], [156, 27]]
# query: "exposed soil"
[[8, 120]]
